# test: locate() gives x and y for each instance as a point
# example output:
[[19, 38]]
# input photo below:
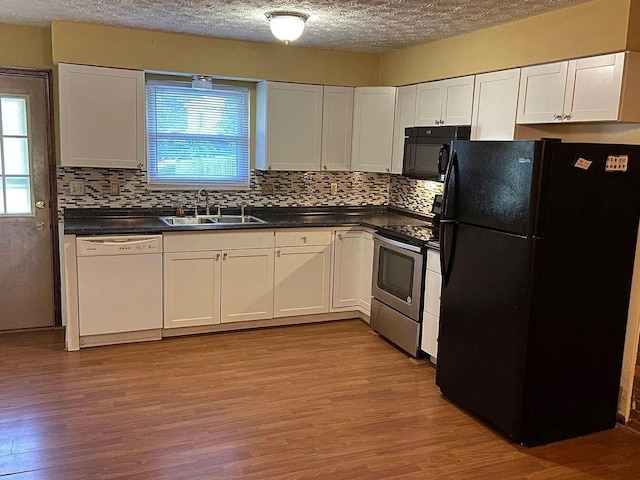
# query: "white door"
[[291, 127], [373, 129], [302, 281], [346, 270], [457, 101], [429, 104], [495, 104], [191, 289], [366, 271], [593, 88], [27, 212], [246, 287], [337, 126], [541, 96], [405, 116]]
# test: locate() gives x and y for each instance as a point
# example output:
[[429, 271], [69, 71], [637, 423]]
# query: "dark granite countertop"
[[141, 221]]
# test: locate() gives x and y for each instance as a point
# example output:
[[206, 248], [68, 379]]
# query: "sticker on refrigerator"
[[616, 163], [583, 163]]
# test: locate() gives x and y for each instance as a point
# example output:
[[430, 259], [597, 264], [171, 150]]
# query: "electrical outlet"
[[334, 188], [616, 163], [268, 189], [76, 187], [115, 188]]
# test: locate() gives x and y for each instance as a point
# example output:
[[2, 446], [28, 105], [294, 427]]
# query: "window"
[[15, 181], [197, 137]]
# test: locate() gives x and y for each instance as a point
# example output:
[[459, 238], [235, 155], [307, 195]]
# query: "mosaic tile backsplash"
[[292, 189], [415, 195]]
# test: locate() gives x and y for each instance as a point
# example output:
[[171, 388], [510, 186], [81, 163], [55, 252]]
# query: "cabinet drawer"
[[200, 241], [300, 238], [433, 260]]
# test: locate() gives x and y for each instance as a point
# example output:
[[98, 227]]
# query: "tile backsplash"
[[291, 189]]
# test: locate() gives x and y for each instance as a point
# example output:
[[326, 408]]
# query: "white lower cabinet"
[[191, 289], [366, 271], [246, 285], [431, 313], [302, 280], [346, 269]]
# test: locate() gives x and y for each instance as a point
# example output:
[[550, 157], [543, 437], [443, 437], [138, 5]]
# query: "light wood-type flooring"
[[324, 401]]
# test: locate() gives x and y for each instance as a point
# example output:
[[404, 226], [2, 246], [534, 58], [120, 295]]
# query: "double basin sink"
[[211, 220]]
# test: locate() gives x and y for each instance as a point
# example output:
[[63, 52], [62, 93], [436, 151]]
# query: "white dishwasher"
[[119, 284]]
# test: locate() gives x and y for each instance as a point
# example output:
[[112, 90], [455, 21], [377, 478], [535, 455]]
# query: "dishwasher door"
[[119, 284]]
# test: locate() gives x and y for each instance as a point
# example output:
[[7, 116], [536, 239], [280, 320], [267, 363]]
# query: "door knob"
[[40, 226], [40, 204]]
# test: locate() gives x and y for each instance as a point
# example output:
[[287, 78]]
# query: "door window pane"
[[18, 195], [16, 156], [14, 116]]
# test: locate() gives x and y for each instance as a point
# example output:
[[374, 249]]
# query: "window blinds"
[[197, 137]]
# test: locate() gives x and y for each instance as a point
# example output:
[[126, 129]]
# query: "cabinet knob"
[[217, 256], [278, 253], [140, 165], [269, 167], [325, 167], [387, 170], [224, 256], [557, 117], [304, 239], [567, 117]]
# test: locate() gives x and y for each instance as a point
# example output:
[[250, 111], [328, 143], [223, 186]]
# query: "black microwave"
[[427, 150]]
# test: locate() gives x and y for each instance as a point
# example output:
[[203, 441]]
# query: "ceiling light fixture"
[[286, 26]]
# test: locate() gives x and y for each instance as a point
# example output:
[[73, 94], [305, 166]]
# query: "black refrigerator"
[[537, 241]]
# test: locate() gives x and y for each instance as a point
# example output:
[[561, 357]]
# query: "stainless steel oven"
[[397, 292]]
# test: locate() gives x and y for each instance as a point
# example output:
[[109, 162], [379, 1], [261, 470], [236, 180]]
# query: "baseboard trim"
[[116, 338]]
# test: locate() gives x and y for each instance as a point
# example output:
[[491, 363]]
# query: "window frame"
[[215, 185]]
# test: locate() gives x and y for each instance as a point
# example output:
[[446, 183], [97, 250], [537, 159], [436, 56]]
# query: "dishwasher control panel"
[[118, 245]]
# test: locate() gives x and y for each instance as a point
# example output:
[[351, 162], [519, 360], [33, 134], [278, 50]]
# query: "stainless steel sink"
[[235, 219], [211, 220], [188, 220]]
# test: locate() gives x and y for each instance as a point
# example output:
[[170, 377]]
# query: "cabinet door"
[[246, 288], [191, 289], [302, 280], [346, 269], [405, 116], [429, 104], [593, 88], [289, 126], [102, 117], [373, 129], [337, 126], [457, 101], [541, 96], [495, 103], [366, 271]]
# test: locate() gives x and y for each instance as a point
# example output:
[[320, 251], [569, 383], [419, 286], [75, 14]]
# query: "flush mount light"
[[286, 26], [202, 82]]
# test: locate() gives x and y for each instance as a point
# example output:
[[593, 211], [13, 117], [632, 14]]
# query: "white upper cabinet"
[[288, 126], [582, 90], [445, 102], [373, 114], [102, 117], [495, 103], [405, 116], [337, 126]]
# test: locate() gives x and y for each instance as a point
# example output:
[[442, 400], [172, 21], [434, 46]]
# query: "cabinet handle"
[[304, 239], [224, 256], [278, 253], [567, 117]]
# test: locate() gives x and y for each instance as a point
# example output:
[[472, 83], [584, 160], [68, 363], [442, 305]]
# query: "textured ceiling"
[[377, 26]]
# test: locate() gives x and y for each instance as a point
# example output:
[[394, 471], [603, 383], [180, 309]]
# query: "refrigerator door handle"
[[442, 155], [450, 188], [447, 240]]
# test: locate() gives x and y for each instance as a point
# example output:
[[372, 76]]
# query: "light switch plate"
[[115, 188], [76, 187], [334, 188]]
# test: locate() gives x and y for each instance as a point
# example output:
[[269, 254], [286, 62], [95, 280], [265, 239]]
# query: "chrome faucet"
[[242, 210], [206, 200]]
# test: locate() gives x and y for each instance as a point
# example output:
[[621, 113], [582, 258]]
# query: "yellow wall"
[[169, 52], [22, 46], [587, 29]]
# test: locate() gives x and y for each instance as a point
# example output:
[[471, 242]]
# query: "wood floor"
[[323, 401]]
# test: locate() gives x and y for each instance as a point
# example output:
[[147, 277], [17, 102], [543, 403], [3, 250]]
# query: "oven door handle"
[[395, 243]]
